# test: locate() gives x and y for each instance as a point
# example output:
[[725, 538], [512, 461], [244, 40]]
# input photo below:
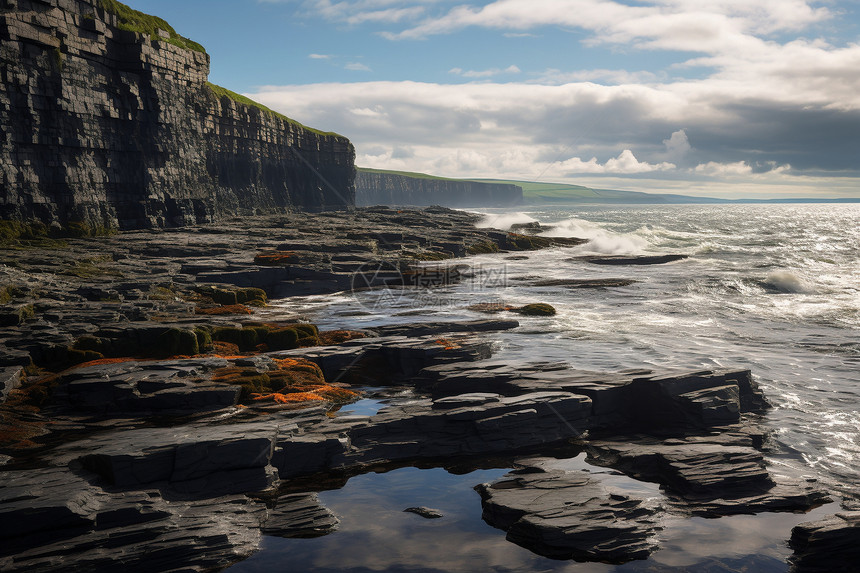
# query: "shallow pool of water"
[[375, 533]]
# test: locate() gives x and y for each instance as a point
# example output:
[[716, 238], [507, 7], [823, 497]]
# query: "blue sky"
[[723, 98]]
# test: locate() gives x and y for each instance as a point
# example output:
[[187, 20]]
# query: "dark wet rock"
[[530, 227], [631, 259], [395, 359], [14, 315], [13, 356], [633, 400], [300, 515], [709, 475], [426, 329], [583, 283], [421, 430], [829, 544], [425, 512], [54, 520], [569, 515], [145, 388], [310, 453], [199, 460]]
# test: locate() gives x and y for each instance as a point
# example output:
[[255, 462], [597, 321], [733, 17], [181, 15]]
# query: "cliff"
[[390, 188], [106, 117]]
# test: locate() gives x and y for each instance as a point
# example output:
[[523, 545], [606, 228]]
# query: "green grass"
[[133, 21], [239, 98], [409, 174]]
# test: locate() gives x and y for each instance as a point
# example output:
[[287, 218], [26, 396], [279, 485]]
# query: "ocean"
[[774, 288]]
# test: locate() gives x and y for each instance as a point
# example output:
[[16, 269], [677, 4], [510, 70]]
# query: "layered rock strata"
[[120, 129], [381, 188]]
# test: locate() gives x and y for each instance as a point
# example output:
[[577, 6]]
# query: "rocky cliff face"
[[116, 128], [380, 188]]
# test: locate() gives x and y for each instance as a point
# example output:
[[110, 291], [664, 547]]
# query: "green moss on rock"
[[536, 309], [483, 248], [283, 339], [252, 296], [307, 329], [204, 339], [519, 242]]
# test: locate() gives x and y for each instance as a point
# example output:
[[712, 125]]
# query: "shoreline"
[[133, 434]]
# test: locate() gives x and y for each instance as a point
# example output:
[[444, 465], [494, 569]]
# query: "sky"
[[724, 98]]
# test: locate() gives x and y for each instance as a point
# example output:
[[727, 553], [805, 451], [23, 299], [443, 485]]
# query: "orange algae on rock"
[[223, 310], [332, 337], [274, 258], [279, 398], [294, 380], [447, 344], [225, 349]]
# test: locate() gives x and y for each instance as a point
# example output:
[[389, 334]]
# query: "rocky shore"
[[155, 416]]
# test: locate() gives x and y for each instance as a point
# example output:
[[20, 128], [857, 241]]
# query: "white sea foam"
[[601, 240], [788, 282], [504, 221]]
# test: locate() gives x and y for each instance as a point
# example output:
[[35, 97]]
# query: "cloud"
[[389, 15], [749, 94], [358, 12], [521, 129], [484, 73], [723, 169], [554, 76], [625, 163], [679, 24], [357, 67], [677, 146], [320, 56]]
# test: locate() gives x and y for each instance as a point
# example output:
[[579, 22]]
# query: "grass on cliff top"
[[239, 98], [409, 174], [133, 21]]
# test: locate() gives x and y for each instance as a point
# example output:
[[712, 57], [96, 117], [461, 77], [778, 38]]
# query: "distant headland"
[[379, 186]]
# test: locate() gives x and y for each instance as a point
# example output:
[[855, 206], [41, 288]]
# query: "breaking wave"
[[503, 221], [601, 240], [787, 282]]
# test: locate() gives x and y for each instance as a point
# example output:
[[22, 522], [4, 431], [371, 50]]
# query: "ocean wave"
[[601, 240], [787, 282], [503, 221]]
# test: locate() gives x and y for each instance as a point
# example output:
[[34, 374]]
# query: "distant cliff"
[[106, 117], [386, 188]]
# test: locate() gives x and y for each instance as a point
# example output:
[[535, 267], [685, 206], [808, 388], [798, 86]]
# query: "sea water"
[[774, 288]]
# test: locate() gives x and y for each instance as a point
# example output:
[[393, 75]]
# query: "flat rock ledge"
[[830, 544], [626, 260], [569, 515]]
